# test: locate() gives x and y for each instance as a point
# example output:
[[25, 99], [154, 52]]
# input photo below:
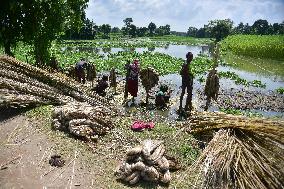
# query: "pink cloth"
[[140, 126]]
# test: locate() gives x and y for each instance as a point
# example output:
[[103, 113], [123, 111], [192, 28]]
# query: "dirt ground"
[[27, 143], [25, 152]]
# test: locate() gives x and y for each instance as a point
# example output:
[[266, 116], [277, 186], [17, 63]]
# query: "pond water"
[[269, 72], [178, 51]]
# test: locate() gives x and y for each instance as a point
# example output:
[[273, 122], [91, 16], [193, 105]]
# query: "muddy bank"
[[248, 100]]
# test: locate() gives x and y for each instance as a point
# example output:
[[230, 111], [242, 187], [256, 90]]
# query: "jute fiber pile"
[[244, 153], [82, 120], [22, 84], [145, 162]]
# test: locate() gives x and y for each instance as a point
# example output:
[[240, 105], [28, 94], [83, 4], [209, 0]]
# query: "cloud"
[[180, 14]]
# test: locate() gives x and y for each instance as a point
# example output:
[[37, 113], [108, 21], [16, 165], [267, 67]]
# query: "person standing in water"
[[187, 83], [80, 70], [132, 80]]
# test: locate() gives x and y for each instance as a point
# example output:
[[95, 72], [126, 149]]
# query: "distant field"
[[266, 46]]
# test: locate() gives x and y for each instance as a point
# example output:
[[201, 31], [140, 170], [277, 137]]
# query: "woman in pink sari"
[[132, 79]]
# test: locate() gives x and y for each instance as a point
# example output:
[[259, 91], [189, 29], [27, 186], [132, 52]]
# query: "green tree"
[[247, 29], [141, 32], [239, 29], [152, 28], [105, 29], [219, 29], [87, 31], [132, 30], [191, 32], [281, 29], [115, 30], [10, 24], [128, 23], [41, 21], [167, 29], [260, 27], [201, 33], [276, 28]]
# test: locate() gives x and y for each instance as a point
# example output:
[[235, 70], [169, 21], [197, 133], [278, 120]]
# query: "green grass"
[[280, 90], [240, 112], [233, 76], [266, 46]]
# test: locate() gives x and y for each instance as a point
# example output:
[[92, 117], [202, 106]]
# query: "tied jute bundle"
[[147, 162], [244, 153], [149, 78], [82, 120], [42, 87], [212, 84]]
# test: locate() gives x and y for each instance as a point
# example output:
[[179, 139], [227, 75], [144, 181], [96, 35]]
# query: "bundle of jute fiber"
[[212, 85], [149, 78], [28, 79], [208, 121], [244, 153], [82, 120], [147, 162]]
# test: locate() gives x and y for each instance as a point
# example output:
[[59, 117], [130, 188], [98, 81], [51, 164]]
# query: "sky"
[[181, 14]]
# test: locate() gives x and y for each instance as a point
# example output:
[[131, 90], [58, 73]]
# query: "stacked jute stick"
[[82, 112], [33, 85], [244, 152]]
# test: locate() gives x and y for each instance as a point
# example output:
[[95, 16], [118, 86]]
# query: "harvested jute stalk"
[[42, 86], [147, 162], [82, 120], [244, 153]]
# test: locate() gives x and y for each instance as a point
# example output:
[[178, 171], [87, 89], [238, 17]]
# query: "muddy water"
[[269, 72]]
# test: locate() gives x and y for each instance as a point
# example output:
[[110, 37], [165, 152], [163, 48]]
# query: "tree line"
[[220, 29], [90, 30], [39, 22], [217, 29]]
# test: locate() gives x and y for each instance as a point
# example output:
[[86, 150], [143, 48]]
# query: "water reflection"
[[178, 51]]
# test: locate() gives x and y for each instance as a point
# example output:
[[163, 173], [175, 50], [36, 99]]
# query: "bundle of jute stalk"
[[145, 162], [244, 153], [56, 87], [149, 78], [11, 98], [206, 121], [82, 120]]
